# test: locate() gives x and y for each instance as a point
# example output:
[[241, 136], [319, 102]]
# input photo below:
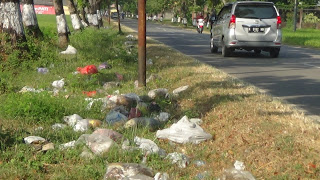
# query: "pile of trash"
[[125, 111]]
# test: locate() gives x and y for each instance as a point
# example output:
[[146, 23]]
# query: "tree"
[[11, 21], [75, 18], [63, 30], [30, 20], [92, 14], [119, 25]]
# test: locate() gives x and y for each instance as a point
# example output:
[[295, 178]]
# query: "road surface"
[[294, 76]]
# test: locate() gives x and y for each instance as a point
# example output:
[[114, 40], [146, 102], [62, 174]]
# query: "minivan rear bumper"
[[251, 44]]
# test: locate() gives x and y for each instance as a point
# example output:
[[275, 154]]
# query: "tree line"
[[16, 22]]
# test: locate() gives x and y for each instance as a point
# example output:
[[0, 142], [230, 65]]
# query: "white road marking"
[[306, 64]]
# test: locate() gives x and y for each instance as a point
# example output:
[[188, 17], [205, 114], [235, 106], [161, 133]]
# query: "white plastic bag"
[[184, 131]]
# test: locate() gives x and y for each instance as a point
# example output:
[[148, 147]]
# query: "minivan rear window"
[[255, 11]]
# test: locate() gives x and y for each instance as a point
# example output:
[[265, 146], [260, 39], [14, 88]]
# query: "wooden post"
[[142, 42], [301, 18]]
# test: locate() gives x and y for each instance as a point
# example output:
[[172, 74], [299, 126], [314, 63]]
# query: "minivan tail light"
[[232, 23], [278, 22]]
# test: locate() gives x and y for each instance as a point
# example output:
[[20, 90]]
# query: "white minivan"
[[248, 25]]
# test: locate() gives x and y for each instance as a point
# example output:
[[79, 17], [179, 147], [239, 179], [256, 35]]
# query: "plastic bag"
[[69, 50], [90, 69], [184, 131]]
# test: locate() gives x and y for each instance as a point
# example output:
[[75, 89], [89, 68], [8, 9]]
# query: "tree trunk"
[[100, 22], [117, 7], [11, 21], [92, 14], [75, 18], [30, 20], [63, 31], [1, 15], [109, 13]]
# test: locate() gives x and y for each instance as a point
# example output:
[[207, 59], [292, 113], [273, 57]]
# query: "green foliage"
[[311, 18]]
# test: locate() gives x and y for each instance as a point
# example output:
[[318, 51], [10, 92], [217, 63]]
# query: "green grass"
[[302, 37]]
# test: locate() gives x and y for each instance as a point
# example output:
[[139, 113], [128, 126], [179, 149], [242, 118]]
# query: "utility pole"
[[295, 15], [142, 42]]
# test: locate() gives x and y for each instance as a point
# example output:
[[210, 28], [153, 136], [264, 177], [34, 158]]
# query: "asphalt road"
[[294, 76]]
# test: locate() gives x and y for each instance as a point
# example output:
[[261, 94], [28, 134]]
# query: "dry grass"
[[273, 139]]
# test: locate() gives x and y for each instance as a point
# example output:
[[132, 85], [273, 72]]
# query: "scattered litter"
[[133, 96], [33, 139], [70, 144], [91, 101], [178, 158], [148, 146], [58, 126], [38, 128], [109, 85], [128, 171], [115, 136], [154, 107], [87, 154], [177, 91], [161, 176], [134, 113], [184, 131], [122, 100], [128, 43], [72, 120], [104, 65], [94, 123], [47, 147], [43, 70], [152, 77], [99, 143], [237, 172], [196, 121], [158, 93], [30, 89], [163, 117], [238, 165], [82, 125], [130, 37], [121, 109], [115, 117], [119, 76], [89, 69], [89, 93], [199, 163], [58, 84], [150, 123], [143, 107], [69, 50], [149, 62]]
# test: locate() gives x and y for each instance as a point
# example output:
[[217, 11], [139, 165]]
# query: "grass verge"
[[272, 139]]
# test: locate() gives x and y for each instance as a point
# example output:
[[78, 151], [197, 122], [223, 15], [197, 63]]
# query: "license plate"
[[256, 30]]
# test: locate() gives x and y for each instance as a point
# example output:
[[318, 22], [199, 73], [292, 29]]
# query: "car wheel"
[[225, 51], [274, 52], [257, 51], [213, 48]]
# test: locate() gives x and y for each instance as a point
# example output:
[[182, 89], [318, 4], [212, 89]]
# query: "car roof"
[[249, 2]]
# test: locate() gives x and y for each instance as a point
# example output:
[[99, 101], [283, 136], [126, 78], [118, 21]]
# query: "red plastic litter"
[[90, 69], [90, 93], [119, 76], [134, 112]]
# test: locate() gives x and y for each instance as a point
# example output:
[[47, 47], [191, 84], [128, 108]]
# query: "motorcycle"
[[200, 25]]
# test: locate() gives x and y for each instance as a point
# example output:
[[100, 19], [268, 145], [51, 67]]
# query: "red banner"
[[44, 9]]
